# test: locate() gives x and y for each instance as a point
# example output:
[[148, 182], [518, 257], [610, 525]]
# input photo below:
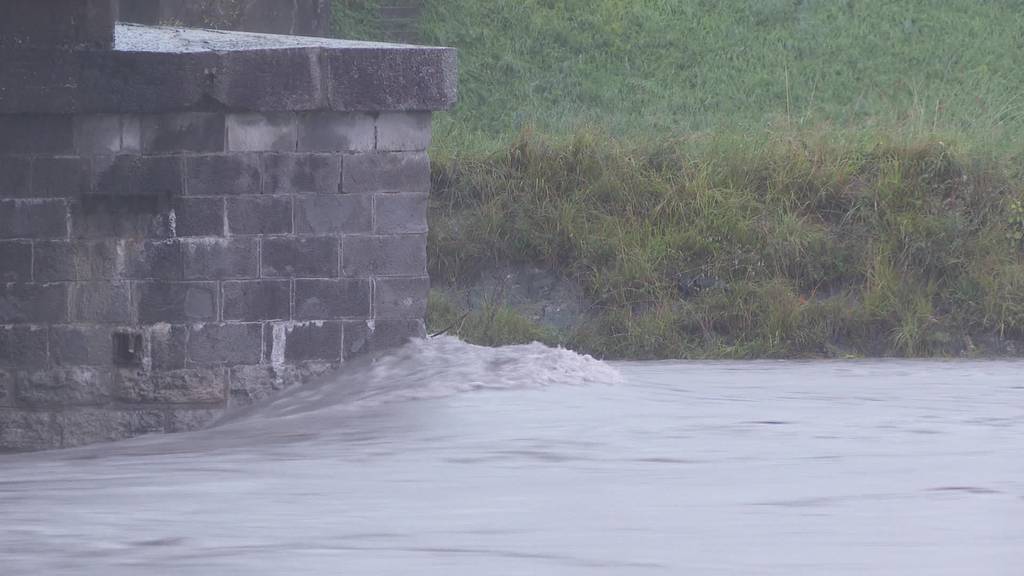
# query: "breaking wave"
[[435, 368]]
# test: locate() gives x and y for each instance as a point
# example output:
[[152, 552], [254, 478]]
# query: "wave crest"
[[435, 368]]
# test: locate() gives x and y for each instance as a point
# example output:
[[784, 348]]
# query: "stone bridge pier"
[[191, 220]]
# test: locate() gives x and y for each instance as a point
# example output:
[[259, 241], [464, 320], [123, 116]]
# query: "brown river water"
[[449, 459]]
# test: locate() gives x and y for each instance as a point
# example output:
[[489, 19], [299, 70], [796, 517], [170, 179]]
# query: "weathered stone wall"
[[243, 251], [299, 17], [169, 250]]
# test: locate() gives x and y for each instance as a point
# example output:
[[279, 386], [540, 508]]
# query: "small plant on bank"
[[493, 324]]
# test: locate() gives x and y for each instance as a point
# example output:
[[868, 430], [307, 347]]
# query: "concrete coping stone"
[[154, 69], [169, 39]]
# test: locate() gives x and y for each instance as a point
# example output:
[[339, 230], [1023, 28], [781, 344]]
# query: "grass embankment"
[[789, 247], [737, 179]]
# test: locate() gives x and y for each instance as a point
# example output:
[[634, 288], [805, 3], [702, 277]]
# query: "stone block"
[[392, 333], [336, 132], [356, 338], [36, 83], [33, 219], [183, 132], [403, 131], [53, 261], [312, 341], [187, 419], [81, 345], [229, 344], [335, 214], [190, 386], [400, 297], [131, 133], [152, 259], [33, 303], [168, 346], [83, 82], [384, 255], [380, 79], [133, 175], [15, 174], [197, 217], [223, 174], [250, 384], [221, 258], [301, 173], [98, 134], [23, 431], [332, 299], [126, 80], [102, 302], [36, 134], [120, 216], [15, 261], [62, 387], [61, 260], [386, 172], [257, 300], [259, 215], [262, 132], [89, 425], [23, 346], [308, 257], [99, 259], [57, 24], [176, 302], [400, 213], [284, 79], [61, 177]]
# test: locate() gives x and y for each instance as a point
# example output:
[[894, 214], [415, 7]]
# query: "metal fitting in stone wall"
[[164, 259]]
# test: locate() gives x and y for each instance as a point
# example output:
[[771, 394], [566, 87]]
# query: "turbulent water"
[[448, 459]]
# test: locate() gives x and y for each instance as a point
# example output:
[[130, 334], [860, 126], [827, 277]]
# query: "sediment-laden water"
[[448, 459]]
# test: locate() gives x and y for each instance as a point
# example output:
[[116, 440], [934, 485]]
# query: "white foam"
[[436, 368]]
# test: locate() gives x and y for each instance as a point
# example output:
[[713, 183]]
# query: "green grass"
[[357, 20], [494, 324], [652, 68], [841, 176], [803, 247], [640, 68]]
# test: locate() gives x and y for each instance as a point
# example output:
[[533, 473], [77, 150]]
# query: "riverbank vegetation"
[[736, 179], [789, 246]]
